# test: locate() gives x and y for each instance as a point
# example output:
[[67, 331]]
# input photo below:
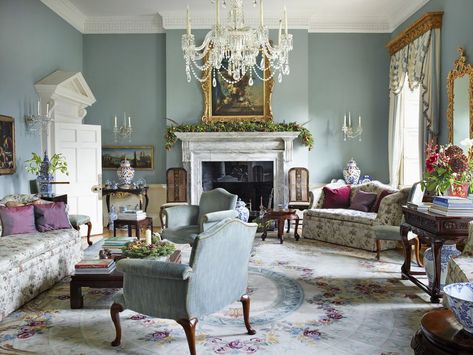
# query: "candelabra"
[[349, 131], [123, 132], [39, 121]]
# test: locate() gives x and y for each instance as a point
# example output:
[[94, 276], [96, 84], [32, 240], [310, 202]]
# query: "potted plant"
[[140, 250], [45, 169], [449, 169]]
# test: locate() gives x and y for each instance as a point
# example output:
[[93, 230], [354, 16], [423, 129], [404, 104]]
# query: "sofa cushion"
[[336, 197], [363, 201], [51, 217], [18, 249], [343, 215], [381, 195], [17, 220]]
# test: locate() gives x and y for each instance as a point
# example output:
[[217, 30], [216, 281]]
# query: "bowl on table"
[[460, 299]]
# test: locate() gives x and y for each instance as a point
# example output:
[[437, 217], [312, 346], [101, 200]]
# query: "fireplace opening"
[[252, 181]]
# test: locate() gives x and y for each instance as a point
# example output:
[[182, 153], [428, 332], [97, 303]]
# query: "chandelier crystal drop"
[[235, 50]]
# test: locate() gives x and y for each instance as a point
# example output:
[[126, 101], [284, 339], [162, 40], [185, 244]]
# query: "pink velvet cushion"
[[382, 195], [336, 197], [51, 217], [17, 220], [363, 201]]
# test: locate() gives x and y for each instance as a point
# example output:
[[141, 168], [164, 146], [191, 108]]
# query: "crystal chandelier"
[[237, 49], [40, 121]]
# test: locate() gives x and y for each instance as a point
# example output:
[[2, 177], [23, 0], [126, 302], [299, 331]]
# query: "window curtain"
[[420, 61]]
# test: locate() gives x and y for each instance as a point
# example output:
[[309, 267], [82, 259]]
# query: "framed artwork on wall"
[[7, 145], [236, 102], [141, 157]]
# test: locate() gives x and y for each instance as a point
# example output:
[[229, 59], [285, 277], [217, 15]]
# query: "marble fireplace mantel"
[[237, 146]]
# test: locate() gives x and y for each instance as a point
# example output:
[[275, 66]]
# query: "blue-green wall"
[[34, 42], [127, 73], [457, 31], [348, 72]]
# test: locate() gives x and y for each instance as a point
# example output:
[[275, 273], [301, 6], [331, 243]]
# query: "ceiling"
[[154, 16]]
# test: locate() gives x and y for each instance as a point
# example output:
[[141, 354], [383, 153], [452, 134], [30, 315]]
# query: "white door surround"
[[276, 147]]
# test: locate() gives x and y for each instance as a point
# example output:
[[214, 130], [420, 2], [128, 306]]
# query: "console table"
[[142, 192], [434, 230]]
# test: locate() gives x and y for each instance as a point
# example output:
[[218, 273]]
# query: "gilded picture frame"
[[7, 145], [239, 102], [141, 157]]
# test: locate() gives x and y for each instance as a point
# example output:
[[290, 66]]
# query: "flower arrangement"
[[448, 167], [140, 250], [56, 163], [305, 136]]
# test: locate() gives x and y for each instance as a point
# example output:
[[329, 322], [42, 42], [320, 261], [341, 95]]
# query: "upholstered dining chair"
[[387, 232], [216, 276], [176, 190], [299, 195], [184, 223]]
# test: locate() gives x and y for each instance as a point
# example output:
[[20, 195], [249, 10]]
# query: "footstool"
[[78, 220]]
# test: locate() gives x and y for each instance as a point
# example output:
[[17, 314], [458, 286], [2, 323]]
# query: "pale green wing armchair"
[[217, 275], [184, 223]]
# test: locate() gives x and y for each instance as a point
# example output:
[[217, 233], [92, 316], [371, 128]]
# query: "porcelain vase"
[[351, 173], [243, 211], [125, 173], [44, 179], [459, 190], [448, 251]]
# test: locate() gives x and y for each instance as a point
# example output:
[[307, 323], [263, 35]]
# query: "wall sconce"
[[349, 131], [124, 131], [39, 121]]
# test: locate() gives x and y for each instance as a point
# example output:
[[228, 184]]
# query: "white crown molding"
[[404, 14], [349, 27], [124, 24], [66, 10]]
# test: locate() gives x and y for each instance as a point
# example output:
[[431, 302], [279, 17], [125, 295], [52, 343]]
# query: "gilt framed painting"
[[141, 157], [230, 101], [7, 145]]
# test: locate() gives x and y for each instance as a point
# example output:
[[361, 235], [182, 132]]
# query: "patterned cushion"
[[21, 198], [78, 219], [460, 269], [340, 214]]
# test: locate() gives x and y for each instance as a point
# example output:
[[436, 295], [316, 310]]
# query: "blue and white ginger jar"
[[448, 251], [351, 173], [460, 300], [243, 211], [125, 173]]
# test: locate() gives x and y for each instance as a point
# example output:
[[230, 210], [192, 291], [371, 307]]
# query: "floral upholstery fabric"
[[32, 263], [21, 198], [460, 269], [354, 228]]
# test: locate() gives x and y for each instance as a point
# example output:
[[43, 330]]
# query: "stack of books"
[[115, 244], [100, 266], [452, 206], [132, 215]]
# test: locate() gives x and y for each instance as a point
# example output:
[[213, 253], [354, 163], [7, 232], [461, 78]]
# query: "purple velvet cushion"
[[51, 217], [17, 220], [363, 201], [336, 197]]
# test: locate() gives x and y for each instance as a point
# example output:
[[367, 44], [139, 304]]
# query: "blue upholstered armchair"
[[184, 223], [217, 275]]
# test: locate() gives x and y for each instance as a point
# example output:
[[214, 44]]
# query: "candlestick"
[[218, 12], [124, 119], [188, 20], [47, 109], [116, 122], [285, 19], [148, 236], [349, 119], [344, 121], [261, 22], [39, 107], [359, 121], [129, 121], [280, 30]]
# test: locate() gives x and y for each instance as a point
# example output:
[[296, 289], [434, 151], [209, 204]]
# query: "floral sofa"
[[460, 268], [32, 263], [353, 228]]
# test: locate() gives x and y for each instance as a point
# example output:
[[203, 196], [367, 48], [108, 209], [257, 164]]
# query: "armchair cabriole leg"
[[189, 328], [115, 313], [89, 230], [245, 301]]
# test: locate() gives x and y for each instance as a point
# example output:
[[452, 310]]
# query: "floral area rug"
[[306, 298]]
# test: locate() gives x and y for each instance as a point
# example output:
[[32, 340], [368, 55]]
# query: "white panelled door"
[[82, 146]]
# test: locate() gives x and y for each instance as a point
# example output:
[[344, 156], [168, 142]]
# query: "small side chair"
[[78, 220], [216, 276], [176, 191]]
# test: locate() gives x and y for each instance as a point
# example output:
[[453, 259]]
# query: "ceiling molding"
[[66, 10], [124, 24], [323, 26], [404, 14]]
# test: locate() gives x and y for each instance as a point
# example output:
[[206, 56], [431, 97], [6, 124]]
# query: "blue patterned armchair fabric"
[[184, 223], [217, 275]]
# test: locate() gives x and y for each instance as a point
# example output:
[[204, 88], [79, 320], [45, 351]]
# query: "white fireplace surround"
[[276, 147]]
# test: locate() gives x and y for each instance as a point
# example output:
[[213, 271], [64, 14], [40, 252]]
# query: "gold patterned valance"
[[427, 22]]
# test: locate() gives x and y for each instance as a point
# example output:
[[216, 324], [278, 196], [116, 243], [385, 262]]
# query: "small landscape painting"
[[140, 157], [7, 145]]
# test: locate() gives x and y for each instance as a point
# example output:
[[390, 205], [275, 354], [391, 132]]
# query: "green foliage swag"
[[304, 134]]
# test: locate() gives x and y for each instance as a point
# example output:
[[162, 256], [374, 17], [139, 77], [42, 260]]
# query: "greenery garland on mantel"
[[304, 134]]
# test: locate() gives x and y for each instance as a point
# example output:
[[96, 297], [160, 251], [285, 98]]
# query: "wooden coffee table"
[[112, 280], [280, 216], [440, 334]]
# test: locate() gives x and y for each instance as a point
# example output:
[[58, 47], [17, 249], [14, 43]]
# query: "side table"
[[280, 216], [441, 334], [141, 192], [138, 225]]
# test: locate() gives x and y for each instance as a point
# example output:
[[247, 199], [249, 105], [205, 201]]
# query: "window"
[[410, 160]]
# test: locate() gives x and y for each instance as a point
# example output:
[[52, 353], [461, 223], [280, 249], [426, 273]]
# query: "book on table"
[[98, 266], [452, 201], [132, 216], [451, 212]]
